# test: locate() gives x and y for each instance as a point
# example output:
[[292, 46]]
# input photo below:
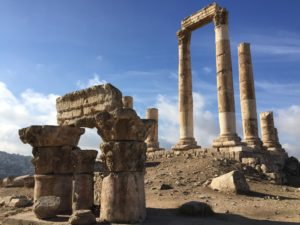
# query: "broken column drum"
[[127, 102], [247, 96], [52, 149], [226, 106], [269, 132], [124, 154], [152, 139], [83, 183]]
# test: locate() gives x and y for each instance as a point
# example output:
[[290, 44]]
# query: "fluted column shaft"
[[226, 106], [247, 96], [152, 139], [269, 132], [186, 122]]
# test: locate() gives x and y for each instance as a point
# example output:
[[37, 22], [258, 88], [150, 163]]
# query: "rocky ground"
[[173, 181]]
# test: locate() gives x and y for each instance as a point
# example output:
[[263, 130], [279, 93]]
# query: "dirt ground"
[[266, 204]]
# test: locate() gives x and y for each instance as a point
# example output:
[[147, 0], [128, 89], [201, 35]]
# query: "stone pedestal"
[[124, 155], [52, 150], [226, 106], [186, 123], [269, 133], [83, 185], [247, 96], [127, 102], [152, 139]]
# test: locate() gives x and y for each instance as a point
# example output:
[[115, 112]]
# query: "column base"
[[227, 141], [185, 144], [254, 143], [153, 146]]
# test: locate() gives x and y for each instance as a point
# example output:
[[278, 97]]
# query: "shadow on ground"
[[158, 216]]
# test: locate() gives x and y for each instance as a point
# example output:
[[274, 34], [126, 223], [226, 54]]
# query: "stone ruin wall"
[[77, 107]]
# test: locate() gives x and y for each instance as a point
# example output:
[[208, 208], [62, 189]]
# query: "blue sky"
[[49, 48]]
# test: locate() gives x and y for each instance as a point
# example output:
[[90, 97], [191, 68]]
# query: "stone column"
[[83, 184], [152, 139], [269, 132], [127, 102], [124, 154], [247, 96], [52, 149], [226, 107], [186, 124]]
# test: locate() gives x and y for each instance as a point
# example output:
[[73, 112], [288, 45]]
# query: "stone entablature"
[[74, 108]]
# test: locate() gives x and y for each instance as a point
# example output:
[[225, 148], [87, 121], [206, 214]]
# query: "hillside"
[[14, 165]]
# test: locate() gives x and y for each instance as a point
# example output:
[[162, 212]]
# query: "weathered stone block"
[[82, 217], [232, 182], [83, 161], [53, 160], [121, 125], [51, 136], [124, 156], [46, 207], [123, 198], [75, 106], [55, 185], [83, 192]]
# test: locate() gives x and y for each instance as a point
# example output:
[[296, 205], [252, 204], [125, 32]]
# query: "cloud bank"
[[33, 108]]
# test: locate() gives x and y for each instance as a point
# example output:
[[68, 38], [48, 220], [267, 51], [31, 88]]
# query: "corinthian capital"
[[184, 36], [221, 17]]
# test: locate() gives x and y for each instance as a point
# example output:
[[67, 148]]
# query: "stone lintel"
[[78, 105], [200, 18]]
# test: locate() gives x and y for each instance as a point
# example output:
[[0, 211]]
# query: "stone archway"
[[226, 106]]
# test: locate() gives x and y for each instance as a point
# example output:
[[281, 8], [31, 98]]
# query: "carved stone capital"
[[221, 17], [122, 125], [83, 161], [128, 156], [184, 36], [51, 136]]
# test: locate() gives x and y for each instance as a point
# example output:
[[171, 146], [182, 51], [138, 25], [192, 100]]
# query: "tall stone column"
[[269, 132], [226, 106], [52, 150], [127, 102], [124, 154], [247, 96], [152, 139], [83, 183], [186, 123]]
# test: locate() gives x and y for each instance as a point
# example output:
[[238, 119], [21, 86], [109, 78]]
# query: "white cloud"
[[288, 124], [99, 58], [207, 69], [31, 108], [91, 82], [205, 126]]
